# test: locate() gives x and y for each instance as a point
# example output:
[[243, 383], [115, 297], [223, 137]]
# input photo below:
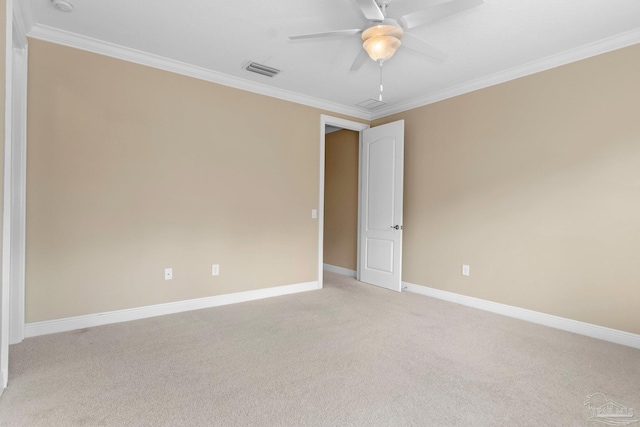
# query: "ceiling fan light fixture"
[[389, 27], [382, 40], [381, 48]]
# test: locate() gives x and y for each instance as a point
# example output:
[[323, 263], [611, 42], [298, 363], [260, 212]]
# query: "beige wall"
[[341, 199], [133, 169], [535, 184]]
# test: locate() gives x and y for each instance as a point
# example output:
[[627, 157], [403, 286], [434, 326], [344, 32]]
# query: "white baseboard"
[[340, 270], [569, 325], [72, 323]]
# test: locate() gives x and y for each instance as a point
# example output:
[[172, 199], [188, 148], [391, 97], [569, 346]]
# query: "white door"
[[381, 176]]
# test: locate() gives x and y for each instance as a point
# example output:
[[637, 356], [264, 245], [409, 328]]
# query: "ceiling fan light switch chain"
[[381, 86]]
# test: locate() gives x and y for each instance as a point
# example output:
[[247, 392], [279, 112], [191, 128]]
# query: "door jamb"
[[345, 124]]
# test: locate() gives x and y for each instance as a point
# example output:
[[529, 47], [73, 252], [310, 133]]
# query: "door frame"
[[14, 186], [349, 125]]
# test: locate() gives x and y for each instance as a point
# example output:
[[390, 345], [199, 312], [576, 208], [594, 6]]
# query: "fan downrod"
[[383, 4]]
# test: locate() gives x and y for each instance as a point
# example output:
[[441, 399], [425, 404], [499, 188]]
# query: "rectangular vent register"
[[254, 67]]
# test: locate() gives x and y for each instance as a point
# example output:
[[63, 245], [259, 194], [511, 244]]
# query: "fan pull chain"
[[381, 87]]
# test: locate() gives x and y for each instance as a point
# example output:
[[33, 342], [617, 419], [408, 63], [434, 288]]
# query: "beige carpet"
[[350, 354]]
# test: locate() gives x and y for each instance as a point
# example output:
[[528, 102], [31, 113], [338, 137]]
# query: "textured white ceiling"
[[483, 43]]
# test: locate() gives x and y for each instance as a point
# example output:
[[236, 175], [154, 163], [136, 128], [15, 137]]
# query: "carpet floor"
[[350, 354]]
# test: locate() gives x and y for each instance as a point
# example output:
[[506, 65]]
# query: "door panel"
[[380, 183], [380, 255]]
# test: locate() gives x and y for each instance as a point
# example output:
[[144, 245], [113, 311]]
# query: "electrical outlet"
[[314, 213], [465, 270], [215, 269], [168, 273]]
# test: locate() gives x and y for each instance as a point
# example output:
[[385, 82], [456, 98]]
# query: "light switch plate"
[[168, 273], [465, 270], [215, 269], [314, 213]]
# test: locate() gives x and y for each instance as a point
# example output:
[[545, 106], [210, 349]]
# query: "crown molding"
[[23, 22], [77, 41], [573, 55], [89, 44]]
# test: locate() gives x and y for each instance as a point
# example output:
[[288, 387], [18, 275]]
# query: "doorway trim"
[[344, 124], [18, 194]]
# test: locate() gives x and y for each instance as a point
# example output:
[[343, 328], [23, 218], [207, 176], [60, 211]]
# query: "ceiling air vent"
[[254, 67], [62, 5], [371, 104]]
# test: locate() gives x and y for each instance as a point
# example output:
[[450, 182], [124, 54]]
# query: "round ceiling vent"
[[62, 5]]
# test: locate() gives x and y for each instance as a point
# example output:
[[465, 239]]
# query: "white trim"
[[340, 270], [6, 199], [34, 329], [78, 41], [360, 212], [18, 196], [569, 325], [323, 123], [23, 21], [344, 124], [583, 52]]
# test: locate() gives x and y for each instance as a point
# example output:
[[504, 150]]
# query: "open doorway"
[[341, 201], [332, 125]]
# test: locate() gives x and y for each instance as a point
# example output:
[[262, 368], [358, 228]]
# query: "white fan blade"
[[371, 10], [360, 59], [438, 11], [415, 43], [327, 34]]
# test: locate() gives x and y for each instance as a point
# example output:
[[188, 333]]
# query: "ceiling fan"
[[382, 35]]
